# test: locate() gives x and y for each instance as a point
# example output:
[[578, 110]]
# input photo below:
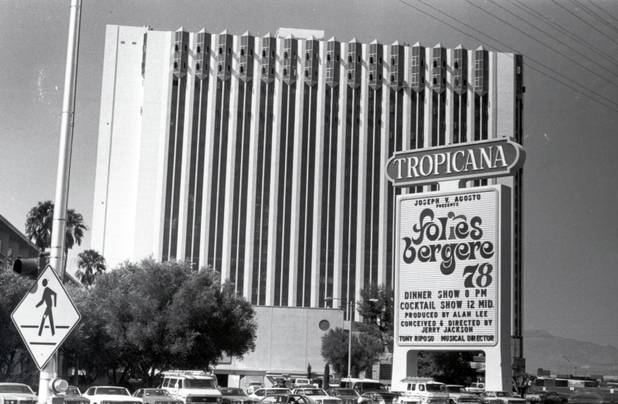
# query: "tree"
[[90, 264], [452, 367], [39, 226], [209, 320], [376, 310], [365, 350], [326, 380], [89, 347], [15, 362], [146, 317]]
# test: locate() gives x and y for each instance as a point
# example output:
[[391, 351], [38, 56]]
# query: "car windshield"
[[15, 388], [199, 384], [73, 391], [155, 392], [112, 391], [277, 391], [433, 387], [312, 392], [232, 391], [282, 398], [343, 392], [455, 389], [371, 386]]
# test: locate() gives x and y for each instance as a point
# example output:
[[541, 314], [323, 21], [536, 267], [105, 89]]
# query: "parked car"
[[16, 393], [501, 397], [301, 382], [476, 388], [285, 399], [252, 386], [347, 395], [587, 397], [379, 397], [552, 397], [74, 396], [155, 396], [269, 391], [235, 395], [317, 395], [110, 394], [362, 385], [190, 386], [457, 394]]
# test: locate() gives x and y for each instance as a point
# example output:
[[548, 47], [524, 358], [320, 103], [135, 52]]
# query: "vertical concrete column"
[[405, 364]]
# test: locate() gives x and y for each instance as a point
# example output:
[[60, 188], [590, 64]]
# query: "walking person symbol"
[[48, 294]]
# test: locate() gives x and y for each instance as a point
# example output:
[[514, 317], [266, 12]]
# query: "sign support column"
[[57, 258]]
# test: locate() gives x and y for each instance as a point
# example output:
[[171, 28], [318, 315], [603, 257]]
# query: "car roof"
[[188, 374], [358, 379], [416, 379], [273, 388], [107, 387]]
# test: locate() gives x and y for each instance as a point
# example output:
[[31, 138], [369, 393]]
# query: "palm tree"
[[39, 226], [90, 264]]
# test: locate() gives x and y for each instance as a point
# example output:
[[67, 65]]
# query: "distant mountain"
[[568, 356]]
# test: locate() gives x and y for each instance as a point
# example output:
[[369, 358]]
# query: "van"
[[362, 385], [191, 386], [424, 390], [301, 382]]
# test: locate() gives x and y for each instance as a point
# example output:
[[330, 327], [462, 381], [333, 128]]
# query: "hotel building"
[[264, 156]]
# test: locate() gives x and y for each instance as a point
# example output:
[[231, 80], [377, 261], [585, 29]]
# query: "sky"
[[570, 50]]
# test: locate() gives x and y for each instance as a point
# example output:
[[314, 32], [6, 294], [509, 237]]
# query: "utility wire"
[[552, 76], [583, 20], [611, 72], [542, 43], [582, 41], [604, 11], [601, 99], [596, 16], [529, 59]]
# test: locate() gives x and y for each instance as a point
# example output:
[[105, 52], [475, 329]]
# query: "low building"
[[13, 244], [288, 340]]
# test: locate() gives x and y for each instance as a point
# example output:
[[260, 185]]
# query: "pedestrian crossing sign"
[[45, 317]]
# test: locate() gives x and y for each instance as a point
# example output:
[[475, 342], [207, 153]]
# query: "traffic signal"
[[30, 267]]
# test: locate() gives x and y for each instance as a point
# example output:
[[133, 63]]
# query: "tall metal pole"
[[350, 308], [62, 177]]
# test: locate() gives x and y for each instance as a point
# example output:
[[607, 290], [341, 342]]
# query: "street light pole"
[[350, 308], [57, 258]]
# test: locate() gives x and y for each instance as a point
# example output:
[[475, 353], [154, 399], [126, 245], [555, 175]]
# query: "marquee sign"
[[483, 159], [452, 256]]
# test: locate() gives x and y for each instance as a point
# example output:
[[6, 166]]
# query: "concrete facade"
[[264, 156]]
